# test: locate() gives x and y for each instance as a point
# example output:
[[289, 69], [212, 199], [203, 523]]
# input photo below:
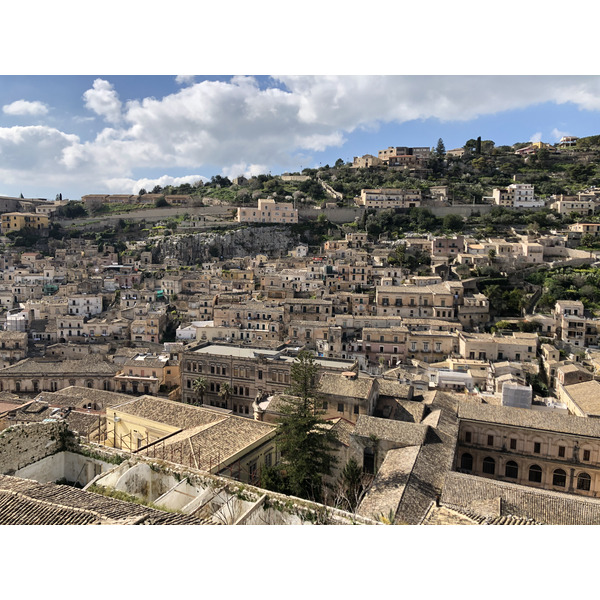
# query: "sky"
[[82, 134], [91, 102]]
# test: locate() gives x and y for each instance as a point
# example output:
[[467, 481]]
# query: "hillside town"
[[444, 304]]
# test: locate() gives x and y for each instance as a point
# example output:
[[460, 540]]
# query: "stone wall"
[[21, 445], [335, 215], [247, 241], [463, 210]]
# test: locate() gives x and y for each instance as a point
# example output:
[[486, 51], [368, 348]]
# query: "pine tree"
[[440, 149], [304, 439]]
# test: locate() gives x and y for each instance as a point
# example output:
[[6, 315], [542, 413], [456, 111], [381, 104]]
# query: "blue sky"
[[78, 134]]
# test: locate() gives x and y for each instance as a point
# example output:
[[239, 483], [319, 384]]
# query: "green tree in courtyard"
[[304, 439]]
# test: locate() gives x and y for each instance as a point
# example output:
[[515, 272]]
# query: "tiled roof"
[[387, 490], [26, 502], [395, 389], [76, 396], [586, 395], [433, 462], [342, 429], [407, 410], [84, 366], [399, 432], [213, 444], [338, 385], [176, 414], [545, 506], [531, 419], [444, 515]]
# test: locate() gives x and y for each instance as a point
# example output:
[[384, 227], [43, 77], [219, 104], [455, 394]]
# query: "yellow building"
[[16, 221]]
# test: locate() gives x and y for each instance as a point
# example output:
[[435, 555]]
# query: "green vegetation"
[[118, 495], [303, 438], [568, 283], [73, 210]]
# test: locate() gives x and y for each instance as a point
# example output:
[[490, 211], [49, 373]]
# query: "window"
[[537, 447], [511, 470], [513, 444], [340, 407], [356, 409], [490, 440], [586, 455], [535, 474], [369, 460], [489, 465], [559, 478], [468, 437], [325, 405], [466, 462], [561, 451], [584, 482]]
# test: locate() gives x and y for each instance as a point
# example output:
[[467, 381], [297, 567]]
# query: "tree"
[[161, 202], [470, 145], [339, 163], [453, 222], [304, 439], [199, 386], [142, 192], [156, 189], [225, 392], [440, 149], [352, 485]]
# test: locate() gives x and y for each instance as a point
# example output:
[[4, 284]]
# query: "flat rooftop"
[[254, 352]]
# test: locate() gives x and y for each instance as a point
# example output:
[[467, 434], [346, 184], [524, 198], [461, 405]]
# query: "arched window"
[[511, 470], [466, 462], [489, 465], [535, 474], [584, 482], [559, 478]]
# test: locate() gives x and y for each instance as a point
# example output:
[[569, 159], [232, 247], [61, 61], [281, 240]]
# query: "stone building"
[[247, 371], [530, 447], [37, 375], [269, 211], [13, 347]]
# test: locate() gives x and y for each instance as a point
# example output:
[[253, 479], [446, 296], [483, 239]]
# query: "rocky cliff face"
[[249, 241]]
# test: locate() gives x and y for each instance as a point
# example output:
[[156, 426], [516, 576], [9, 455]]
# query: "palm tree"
[[199, 387], [225, 392]]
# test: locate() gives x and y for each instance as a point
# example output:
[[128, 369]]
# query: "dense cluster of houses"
[[191, 364]]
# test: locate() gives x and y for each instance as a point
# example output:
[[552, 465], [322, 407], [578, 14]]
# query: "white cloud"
[[244, 169], [247, 126], [125, 185], [184, 79], [25, 107], [536, 137], [103, 100], [557, 134]]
